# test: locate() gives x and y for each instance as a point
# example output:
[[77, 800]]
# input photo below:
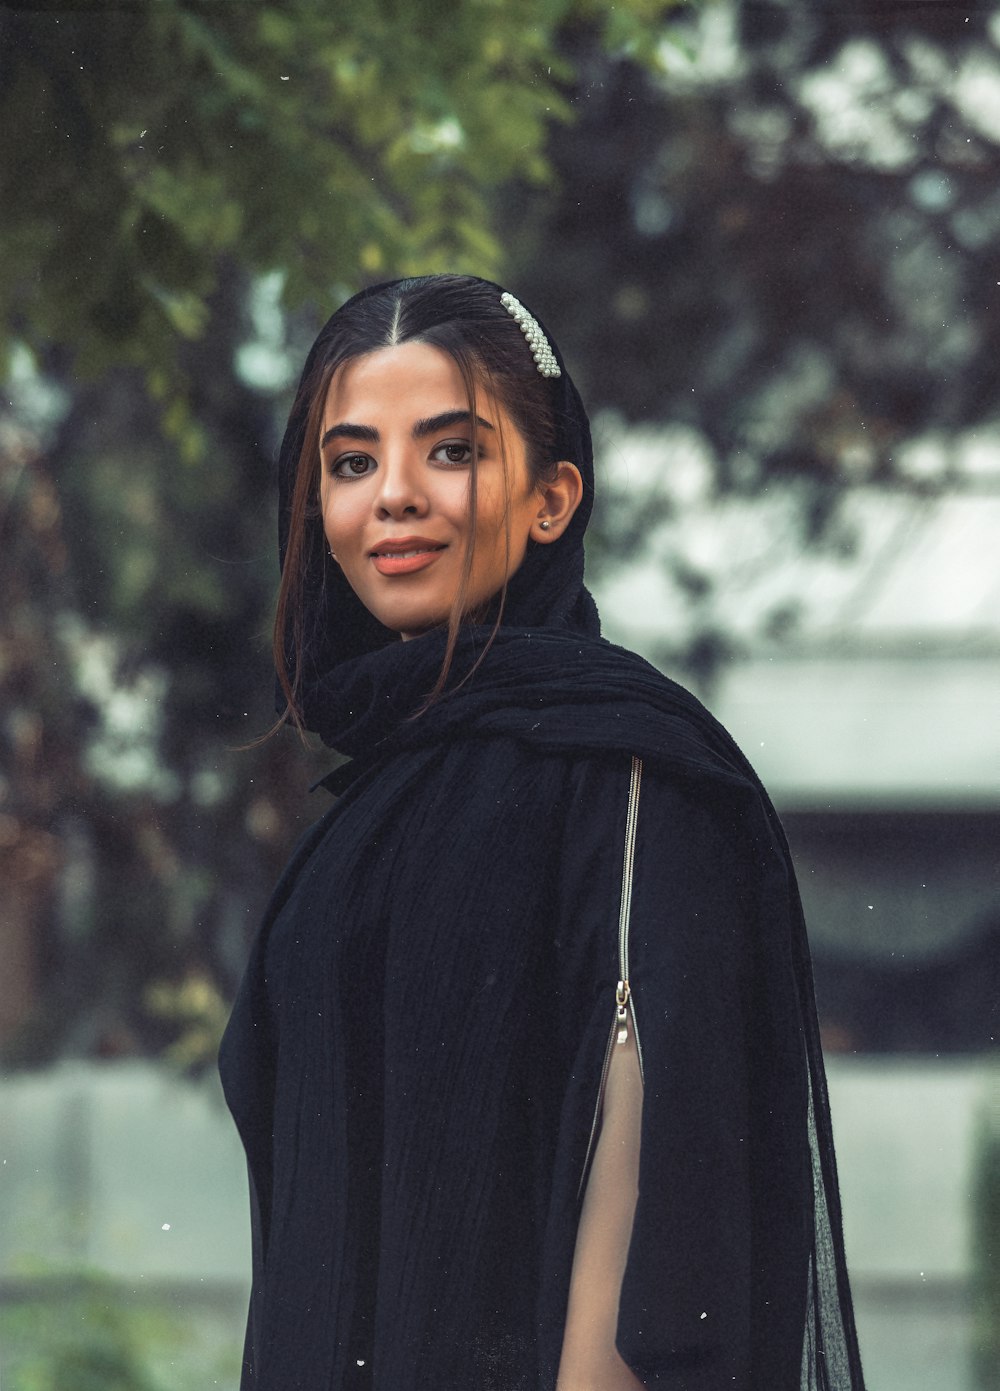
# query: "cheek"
[[451, 496], [495, 513], [343, 516], [491, 505]]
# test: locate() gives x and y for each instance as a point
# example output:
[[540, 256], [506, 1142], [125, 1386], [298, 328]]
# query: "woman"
[[525, 1060]]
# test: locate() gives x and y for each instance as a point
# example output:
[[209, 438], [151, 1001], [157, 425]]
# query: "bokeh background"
[[767, 236]]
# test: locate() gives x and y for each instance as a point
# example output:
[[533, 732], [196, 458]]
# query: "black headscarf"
[[547, 591], [547, 678]]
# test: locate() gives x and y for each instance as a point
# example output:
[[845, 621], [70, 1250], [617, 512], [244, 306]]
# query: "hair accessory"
[[545, 525], [545, 358]]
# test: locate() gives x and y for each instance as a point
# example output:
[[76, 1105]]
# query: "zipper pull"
[[621, 1010]]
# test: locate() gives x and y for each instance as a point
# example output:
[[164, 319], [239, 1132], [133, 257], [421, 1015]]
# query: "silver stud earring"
[[545, 525]]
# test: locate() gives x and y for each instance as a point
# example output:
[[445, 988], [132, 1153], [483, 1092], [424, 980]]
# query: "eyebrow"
[[444, 421], [345, 430], [430, 426]]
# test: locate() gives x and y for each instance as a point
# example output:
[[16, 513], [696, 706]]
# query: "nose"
[[401, 491]]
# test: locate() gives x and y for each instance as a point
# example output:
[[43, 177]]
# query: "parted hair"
[[463, 317]]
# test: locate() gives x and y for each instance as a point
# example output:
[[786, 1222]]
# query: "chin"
[[401, 613], [411, 625]]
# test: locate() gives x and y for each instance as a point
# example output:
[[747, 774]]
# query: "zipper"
[[624, 1002]]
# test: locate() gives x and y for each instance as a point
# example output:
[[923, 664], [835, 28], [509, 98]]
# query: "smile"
[[394, 558]]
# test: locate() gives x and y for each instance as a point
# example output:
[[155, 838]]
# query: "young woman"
[[525, 1060]]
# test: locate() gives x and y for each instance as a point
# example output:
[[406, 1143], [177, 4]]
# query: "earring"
[[545, 525]]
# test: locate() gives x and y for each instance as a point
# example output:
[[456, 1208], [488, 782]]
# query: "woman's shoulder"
[[651, 786], [560, 691]]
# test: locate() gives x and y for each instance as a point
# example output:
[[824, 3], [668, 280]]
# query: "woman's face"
[[396, 447]]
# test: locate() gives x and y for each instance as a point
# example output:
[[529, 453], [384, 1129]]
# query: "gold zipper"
[[624, 1003]]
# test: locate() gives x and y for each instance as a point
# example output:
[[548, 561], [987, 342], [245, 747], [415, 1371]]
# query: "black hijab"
[[546, 677], [546, 592]]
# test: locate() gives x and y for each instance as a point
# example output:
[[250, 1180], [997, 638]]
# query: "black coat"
[[414, 1057]]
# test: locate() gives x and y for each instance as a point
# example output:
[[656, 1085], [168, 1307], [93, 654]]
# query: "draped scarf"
[[546, 677]]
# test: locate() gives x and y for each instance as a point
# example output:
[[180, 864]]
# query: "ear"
[[559, 499]]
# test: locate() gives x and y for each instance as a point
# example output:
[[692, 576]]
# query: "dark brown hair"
[[463, 317]]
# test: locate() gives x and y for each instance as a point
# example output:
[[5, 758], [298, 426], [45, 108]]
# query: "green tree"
[[148, 145], [188, 188]]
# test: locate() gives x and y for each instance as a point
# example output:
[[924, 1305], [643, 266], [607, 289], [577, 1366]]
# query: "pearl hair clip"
[[545, 358]]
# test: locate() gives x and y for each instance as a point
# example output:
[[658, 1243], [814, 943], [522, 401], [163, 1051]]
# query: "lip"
[[405, 554]]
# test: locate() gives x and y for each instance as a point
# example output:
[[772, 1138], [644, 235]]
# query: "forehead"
[[410, 377]]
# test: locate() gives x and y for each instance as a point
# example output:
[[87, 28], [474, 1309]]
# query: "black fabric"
[[413, 1059]]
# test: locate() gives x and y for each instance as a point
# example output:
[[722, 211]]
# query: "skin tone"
[[590, 1360], [396, 449]]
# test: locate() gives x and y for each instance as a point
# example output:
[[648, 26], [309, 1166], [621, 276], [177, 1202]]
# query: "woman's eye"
[[453, 452], [352, 465]]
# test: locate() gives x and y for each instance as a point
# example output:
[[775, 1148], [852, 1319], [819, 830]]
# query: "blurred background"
[[767, 237]]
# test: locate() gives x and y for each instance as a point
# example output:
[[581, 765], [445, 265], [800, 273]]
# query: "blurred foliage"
[[89, 1335], [785, 242], [789, 237], [188, 189], [774, 226], [986, 1249], [198, 1012], [148, 145]]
